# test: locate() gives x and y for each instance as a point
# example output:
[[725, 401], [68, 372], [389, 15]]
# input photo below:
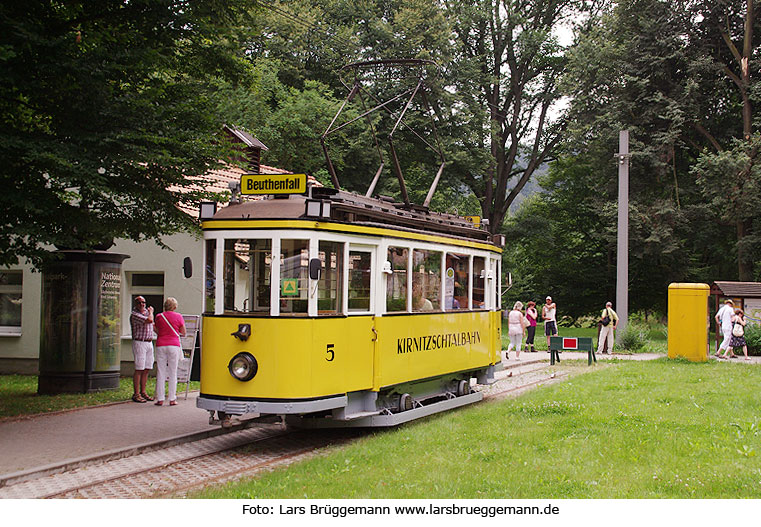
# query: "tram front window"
[[294, 277], [210, 280], [247, 273], [330, 286]]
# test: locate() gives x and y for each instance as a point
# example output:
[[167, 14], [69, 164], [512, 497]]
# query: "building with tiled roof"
[[218, 181]]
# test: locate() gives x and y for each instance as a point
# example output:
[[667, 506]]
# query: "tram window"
[[359, 281], [396, 285], [330, 285], [294, 277], [456, 282], [210, 280], [426, 280], [247, 275], [498, 282], [479, 281]]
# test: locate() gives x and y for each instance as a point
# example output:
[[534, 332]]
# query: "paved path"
[[578, 355], [37, 442]]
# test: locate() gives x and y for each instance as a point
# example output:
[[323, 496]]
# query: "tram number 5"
[[331, 353]]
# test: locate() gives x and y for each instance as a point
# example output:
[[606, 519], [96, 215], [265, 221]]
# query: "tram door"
[[360, 303], [494, 299], [343, 329]]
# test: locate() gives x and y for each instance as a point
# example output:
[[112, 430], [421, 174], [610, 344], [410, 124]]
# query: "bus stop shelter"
[[745, 295]]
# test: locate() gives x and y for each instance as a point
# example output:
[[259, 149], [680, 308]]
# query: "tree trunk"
[[744, 263]]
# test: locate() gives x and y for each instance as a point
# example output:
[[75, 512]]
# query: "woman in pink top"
[[531, 315], [169, 326]]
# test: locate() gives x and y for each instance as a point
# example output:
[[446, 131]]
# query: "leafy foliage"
[[106, 107], [506, 72], [666, 72], [753, 339]]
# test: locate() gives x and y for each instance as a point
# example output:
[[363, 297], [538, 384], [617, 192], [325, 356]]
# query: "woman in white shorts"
[[516, 327]]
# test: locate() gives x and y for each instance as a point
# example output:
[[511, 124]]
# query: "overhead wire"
[[307, 25]]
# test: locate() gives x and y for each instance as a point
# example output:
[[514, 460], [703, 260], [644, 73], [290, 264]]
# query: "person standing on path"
[[609, 321], [516, 327], [549, 315], [141, 320], [531, 316], [738, 335], [724, 321], [169, 327]]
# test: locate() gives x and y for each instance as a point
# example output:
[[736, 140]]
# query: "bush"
[[753, 339], [634, 337], [587, 321]]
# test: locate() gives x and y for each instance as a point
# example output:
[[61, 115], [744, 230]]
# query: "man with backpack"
[[609, 321]]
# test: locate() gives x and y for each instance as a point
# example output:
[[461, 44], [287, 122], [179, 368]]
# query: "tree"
[[105, 107], [506, 70], [308, 43], [726, 32], [631, 69]]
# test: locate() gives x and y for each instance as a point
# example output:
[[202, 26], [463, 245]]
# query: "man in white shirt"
[[724, 321], [549, 314]]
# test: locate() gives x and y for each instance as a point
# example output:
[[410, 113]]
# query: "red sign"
[[570, 343]]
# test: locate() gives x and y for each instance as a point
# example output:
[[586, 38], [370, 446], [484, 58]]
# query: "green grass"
[[655, 429], [18, 396]]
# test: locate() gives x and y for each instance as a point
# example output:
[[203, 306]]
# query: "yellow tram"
[[336, 309]]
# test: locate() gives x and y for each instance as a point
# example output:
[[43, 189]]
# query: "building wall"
[[19, 351]]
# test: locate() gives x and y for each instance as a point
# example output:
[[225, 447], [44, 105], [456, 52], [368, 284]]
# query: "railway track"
[[262, 446]]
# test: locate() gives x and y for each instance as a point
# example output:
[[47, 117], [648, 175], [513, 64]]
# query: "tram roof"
[[348, 207]]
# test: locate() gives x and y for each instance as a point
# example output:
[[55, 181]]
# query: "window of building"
[[148, 285], [359, 280], [11, 283], [294, 277], [456, 281], [479, 282], [330, 285], [396, 284], [426, 280]]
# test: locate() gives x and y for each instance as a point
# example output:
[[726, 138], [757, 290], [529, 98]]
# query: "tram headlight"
[[243, 366]]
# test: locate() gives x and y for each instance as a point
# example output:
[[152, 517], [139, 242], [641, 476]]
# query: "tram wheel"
[[405, 402], [463, 388]]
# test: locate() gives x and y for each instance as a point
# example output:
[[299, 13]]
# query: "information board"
[[752, 310], [188, 342]]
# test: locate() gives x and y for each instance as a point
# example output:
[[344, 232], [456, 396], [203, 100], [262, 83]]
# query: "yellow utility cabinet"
[[688, 321]]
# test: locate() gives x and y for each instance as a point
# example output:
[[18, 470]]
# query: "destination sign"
[[475, 220], [252, 184]]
